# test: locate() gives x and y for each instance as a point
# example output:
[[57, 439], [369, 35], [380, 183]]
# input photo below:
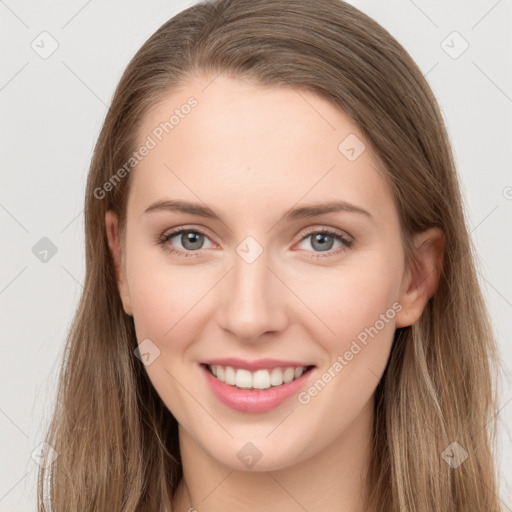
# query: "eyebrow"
[[302, 212]]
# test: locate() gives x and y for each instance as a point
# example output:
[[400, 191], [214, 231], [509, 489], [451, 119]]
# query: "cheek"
[[163, 296], [343, 301], [357, 305]]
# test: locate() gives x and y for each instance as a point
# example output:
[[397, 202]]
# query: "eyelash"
[[347, 244]]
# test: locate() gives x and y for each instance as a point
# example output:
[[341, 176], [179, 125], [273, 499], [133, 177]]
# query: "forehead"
[[255, 148]]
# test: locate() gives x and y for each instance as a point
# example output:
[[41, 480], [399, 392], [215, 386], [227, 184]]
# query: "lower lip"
[[253, 401]]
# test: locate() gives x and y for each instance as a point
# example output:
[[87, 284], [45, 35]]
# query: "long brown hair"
[[117, 443]]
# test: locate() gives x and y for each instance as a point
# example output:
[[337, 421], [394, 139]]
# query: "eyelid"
[[193, 228], [345, 238], [204, 231], [319, 228]]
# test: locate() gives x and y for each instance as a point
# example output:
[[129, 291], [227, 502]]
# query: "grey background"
[[52, 110]]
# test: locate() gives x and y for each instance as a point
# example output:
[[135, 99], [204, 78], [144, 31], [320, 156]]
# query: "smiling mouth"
[[259, 379]]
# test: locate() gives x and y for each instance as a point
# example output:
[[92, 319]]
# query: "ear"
[[112, 228], [422, 278]]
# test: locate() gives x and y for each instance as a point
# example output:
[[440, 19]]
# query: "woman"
[[280, 308]]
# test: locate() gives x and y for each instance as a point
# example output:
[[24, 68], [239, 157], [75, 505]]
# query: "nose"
[[253, 301]]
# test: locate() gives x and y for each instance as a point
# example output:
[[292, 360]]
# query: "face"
[[290, 251]]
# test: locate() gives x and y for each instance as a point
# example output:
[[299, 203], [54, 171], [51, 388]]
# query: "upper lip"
[[258, 364]]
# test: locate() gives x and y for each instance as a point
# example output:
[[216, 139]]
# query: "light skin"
[[250, 154]]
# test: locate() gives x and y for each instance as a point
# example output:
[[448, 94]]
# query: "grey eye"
[[189, 240], [321, 241]]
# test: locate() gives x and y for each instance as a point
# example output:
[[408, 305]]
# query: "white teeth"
[[243, 379], [229, 375], [289, 374], [260, 379], [276, 377]]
